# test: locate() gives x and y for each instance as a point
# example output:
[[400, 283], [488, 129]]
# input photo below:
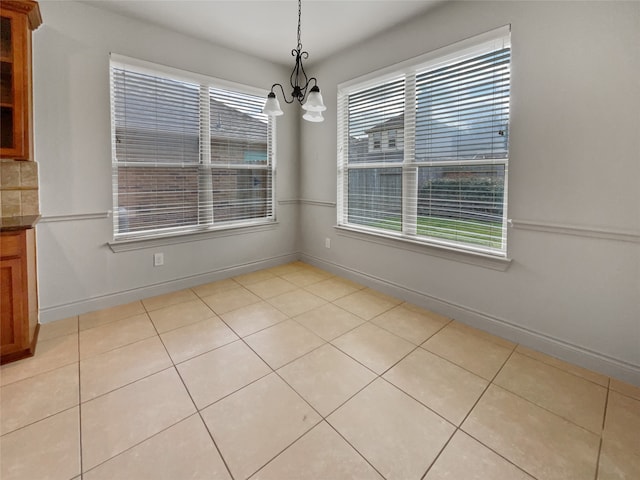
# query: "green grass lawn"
[[477, 232]]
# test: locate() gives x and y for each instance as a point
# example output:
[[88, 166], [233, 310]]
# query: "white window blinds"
[[187, 156], [423, 155]]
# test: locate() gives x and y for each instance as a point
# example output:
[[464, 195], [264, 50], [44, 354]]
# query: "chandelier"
[[300, 83]]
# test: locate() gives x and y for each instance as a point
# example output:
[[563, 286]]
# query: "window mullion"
[[409, 171], [343, 155], [205, 181]]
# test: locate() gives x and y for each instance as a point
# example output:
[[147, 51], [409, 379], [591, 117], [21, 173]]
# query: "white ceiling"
[[268, 28]]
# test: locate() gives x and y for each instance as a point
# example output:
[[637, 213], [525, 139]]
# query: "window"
[[377, 140], [442, 180], [391, 139], [188, 155]]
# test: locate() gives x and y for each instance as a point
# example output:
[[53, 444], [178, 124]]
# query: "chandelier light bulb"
[[272, 106], [314, 101], [311, 116]]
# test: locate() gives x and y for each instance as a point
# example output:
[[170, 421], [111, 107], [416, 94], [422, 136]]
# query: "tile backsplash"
[[18, 188]]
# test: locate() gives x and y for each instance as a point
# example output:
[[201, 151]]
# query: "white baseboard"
[[66, 310], [529, 338]]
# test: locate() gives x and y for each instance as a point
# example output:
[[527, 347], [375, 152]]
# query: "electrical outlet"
[[327, 242], [158, 259]]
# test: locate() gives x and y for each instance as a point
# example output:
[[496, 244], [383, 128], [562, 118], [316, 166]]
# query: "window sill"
[[472, 258], [118, 246]]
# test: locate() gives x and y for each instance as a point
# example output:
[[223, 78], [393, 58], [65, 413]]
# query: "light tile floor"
[[293, 373]]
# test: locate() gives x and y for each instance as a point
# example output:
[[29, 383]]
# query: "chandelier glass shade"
[[304, 89]]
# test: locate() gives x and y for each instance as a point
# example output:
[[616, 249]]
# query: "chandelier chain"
[[299, 18]]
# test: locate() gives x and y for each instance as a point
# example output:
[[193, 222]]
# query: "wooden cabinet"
[[18, 295], [18, 19], [18, 292]]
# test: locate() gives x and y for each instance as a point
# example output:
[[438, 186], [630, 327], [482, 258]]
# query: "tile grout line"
[[492, 381], [198, 412], [563, 369], [444, 447], [80, 403], [325, 342], [354, 448], [286, 447], [273, 371], [139, 443], [459, 428], [542, 407], [604, 420]]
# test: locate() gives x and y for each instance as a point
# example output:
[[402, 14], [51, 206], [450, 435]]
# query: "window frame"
[[408, 71], [205, 166]]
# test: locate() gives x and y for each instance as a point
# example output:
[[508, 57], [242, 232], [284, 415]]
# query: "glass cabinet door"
[[13, 106]]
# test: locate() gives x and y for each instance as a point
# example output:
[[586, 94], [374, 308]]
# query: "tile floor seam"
[[401, 359], [490, 382], [354, 448], [595, 476], [433, 462], [215, 444], [202, 296], [202, 353], [604, 421], [119, 346], [405, 339], [297, 358], [213, 440], [459, 428], [138, 444], [625, 395], [610, 390], [351, 357], [56, 413], [41, 372], [285, 313], [333, 302], [506, 458], [260, 356], [110, 321], [261, 329], [285, 448], [215, 316], [43, 338], [421, 403], [488, 338], [80, 463], [198, 411], [548, 410], [242, 339], [124, 385], [218, 400], [606, 405], [464, 368], [323, 417], [234, 309], [562, 369], [169, 305], [26, 425]]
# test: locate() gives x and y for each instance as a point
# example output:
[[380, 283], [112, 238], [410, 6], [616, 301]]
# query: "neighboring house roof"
[[227, 123], [391, 124]]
